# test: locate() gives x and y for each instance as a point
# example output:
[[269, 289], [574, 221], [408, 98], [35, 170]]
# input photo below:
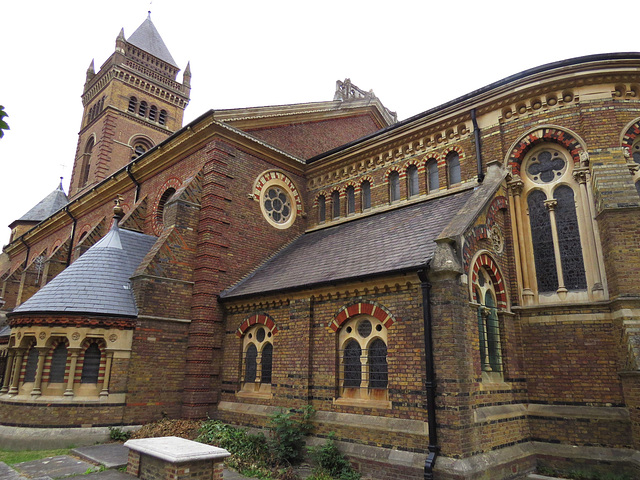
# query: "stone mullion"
[[7, 372], [37, 384], [15, 377], [72, 371], [551, 205], [107, 374]]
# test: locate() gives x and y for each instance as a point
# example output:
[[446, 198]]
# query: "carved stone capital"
[[551, 204], [516, 185], [580, 175]]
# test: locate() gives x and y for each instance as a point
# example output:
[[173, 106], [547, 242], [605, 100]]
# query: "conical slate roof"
[[47, 206], [98, 282], [147, 38]]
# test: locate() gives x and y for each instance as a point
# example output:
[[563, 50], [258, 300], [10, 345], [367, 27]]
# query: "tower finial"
[[60, 187]]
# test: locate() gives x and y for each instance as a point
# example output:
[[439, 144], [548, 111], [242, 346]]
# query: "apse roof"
[[47, 206], [98, 281], [147, 38], [392, 241]]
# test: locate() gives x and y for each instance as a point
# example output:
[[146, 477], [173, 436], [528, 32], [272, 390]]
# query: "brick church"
[[456, 294]]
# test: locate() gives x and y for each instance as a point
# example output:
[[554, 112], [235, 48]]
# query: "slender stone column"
[[107, 374], [42, 353], [15, 377], [6, 381], [515, 188], [72, 371], [551, 205]]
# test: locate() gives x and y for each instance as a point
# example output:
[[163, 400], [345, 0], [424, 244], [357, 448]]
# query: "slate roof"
[[98, 281], [147, 38], [392, 241], [46, 207]]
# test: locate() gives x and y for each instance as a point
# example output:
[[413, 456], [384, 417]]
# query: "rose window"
[[546, 166], [277, 204]]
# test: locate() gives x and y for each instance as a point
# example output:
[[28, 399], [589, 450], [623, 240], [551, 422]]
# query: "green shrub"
[[118, 435], [331, 462], [288, 429]]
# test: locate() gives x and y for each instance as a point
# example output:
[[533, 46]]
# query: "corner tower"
[[133, 103]]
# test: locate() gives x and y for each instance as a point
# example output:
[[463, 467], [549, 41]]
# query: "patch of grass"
[[13, 457]]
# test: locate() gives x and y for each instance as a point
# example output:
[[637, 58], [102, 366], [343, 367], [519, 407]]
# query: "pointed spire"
[[91, 72], [186, 76], [147, 38], [120, 42], [121, 34]]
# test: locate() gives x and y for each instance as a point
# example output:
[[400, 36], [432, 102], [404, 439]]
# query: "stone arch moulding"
[[629, 134], [373, 309], [564, 137], [172, 183], [484, 259], [268, 177], [258, 318]]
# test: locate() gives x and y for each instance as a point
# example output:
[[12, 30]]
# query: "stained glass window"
[[453, 167], [412, 181], [322, 213], [251, 365], [378, 364], [569, 240], [352, 365], [266, 364], [91, 365], [277, 204], [546, 166], [394, 186], [493, 334], [366, 194], [542, 239], [335, 201], [351, 200]]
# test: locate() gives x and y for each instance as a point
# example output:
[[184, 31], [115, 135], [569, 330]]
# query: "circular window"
[[546, 166], [277, 205]]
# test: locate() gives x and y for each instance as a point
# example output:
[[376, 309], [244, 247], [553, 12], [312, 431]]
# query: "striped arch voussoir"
[[554, 135], [373, 309], [631, 134], [258, 318], [485, 260]]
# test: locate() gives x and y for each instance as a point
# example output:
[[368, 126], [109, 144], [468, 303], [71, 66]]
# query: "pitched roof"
[[392, 241], [98, 282], [46, 207], [147, 38]]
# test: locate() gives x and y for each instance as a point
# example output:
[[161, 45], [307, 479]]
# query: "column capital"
[[580, 175], [516, 185], [551, 204]]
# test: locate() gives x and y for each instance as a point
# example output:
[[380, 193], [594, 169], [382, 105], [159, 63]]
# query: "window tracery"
[[257, 360]]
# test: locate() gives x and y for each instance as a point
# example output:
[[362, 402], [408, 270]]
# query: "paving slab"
[[55, 467], [8, 473], [111, 455], [109, 475]]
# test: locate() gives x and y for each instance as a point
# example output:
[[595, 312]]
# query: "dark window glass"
[[58, 364], [153, 112], [91, 364], [352, 365], [569, 240], [453, 167], [378, 364], [394, 186], [638, 187], [133, 103], [335, 200], [412, 181], [250, 364], [432, 174], [322, 205], [493, 334], [166, 196], [267, 359], [32, 365], [543, 252], [86, 163], [142, 111], [351, 200], [366, 194], [163, 117]]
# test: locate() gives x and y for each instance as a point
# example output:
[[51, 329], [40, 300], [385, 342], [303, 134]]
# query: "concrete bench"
[[174, 458]]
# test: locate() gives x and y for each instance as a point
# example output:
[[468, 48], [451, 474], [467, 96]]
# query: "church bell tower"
[[133, 103]]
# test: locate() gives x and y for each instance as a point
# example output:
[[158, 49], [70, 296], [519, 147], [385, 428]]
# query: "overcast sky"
[[414, 55]]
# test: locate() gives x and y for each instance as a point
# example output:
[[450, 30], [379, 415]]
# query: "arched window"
[[142, 111], [258, 360], [166, 196], [140, 146], [363, 359], [322, 209], [162, 120], [365, 188], [32, 365], [153, 112], [335, 204], [85, 168], [488, 323], [453, 167], [133, 103], [351, 200], [413, 187], [433, 181], [91, 364], [58, 364], [394, 186]]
